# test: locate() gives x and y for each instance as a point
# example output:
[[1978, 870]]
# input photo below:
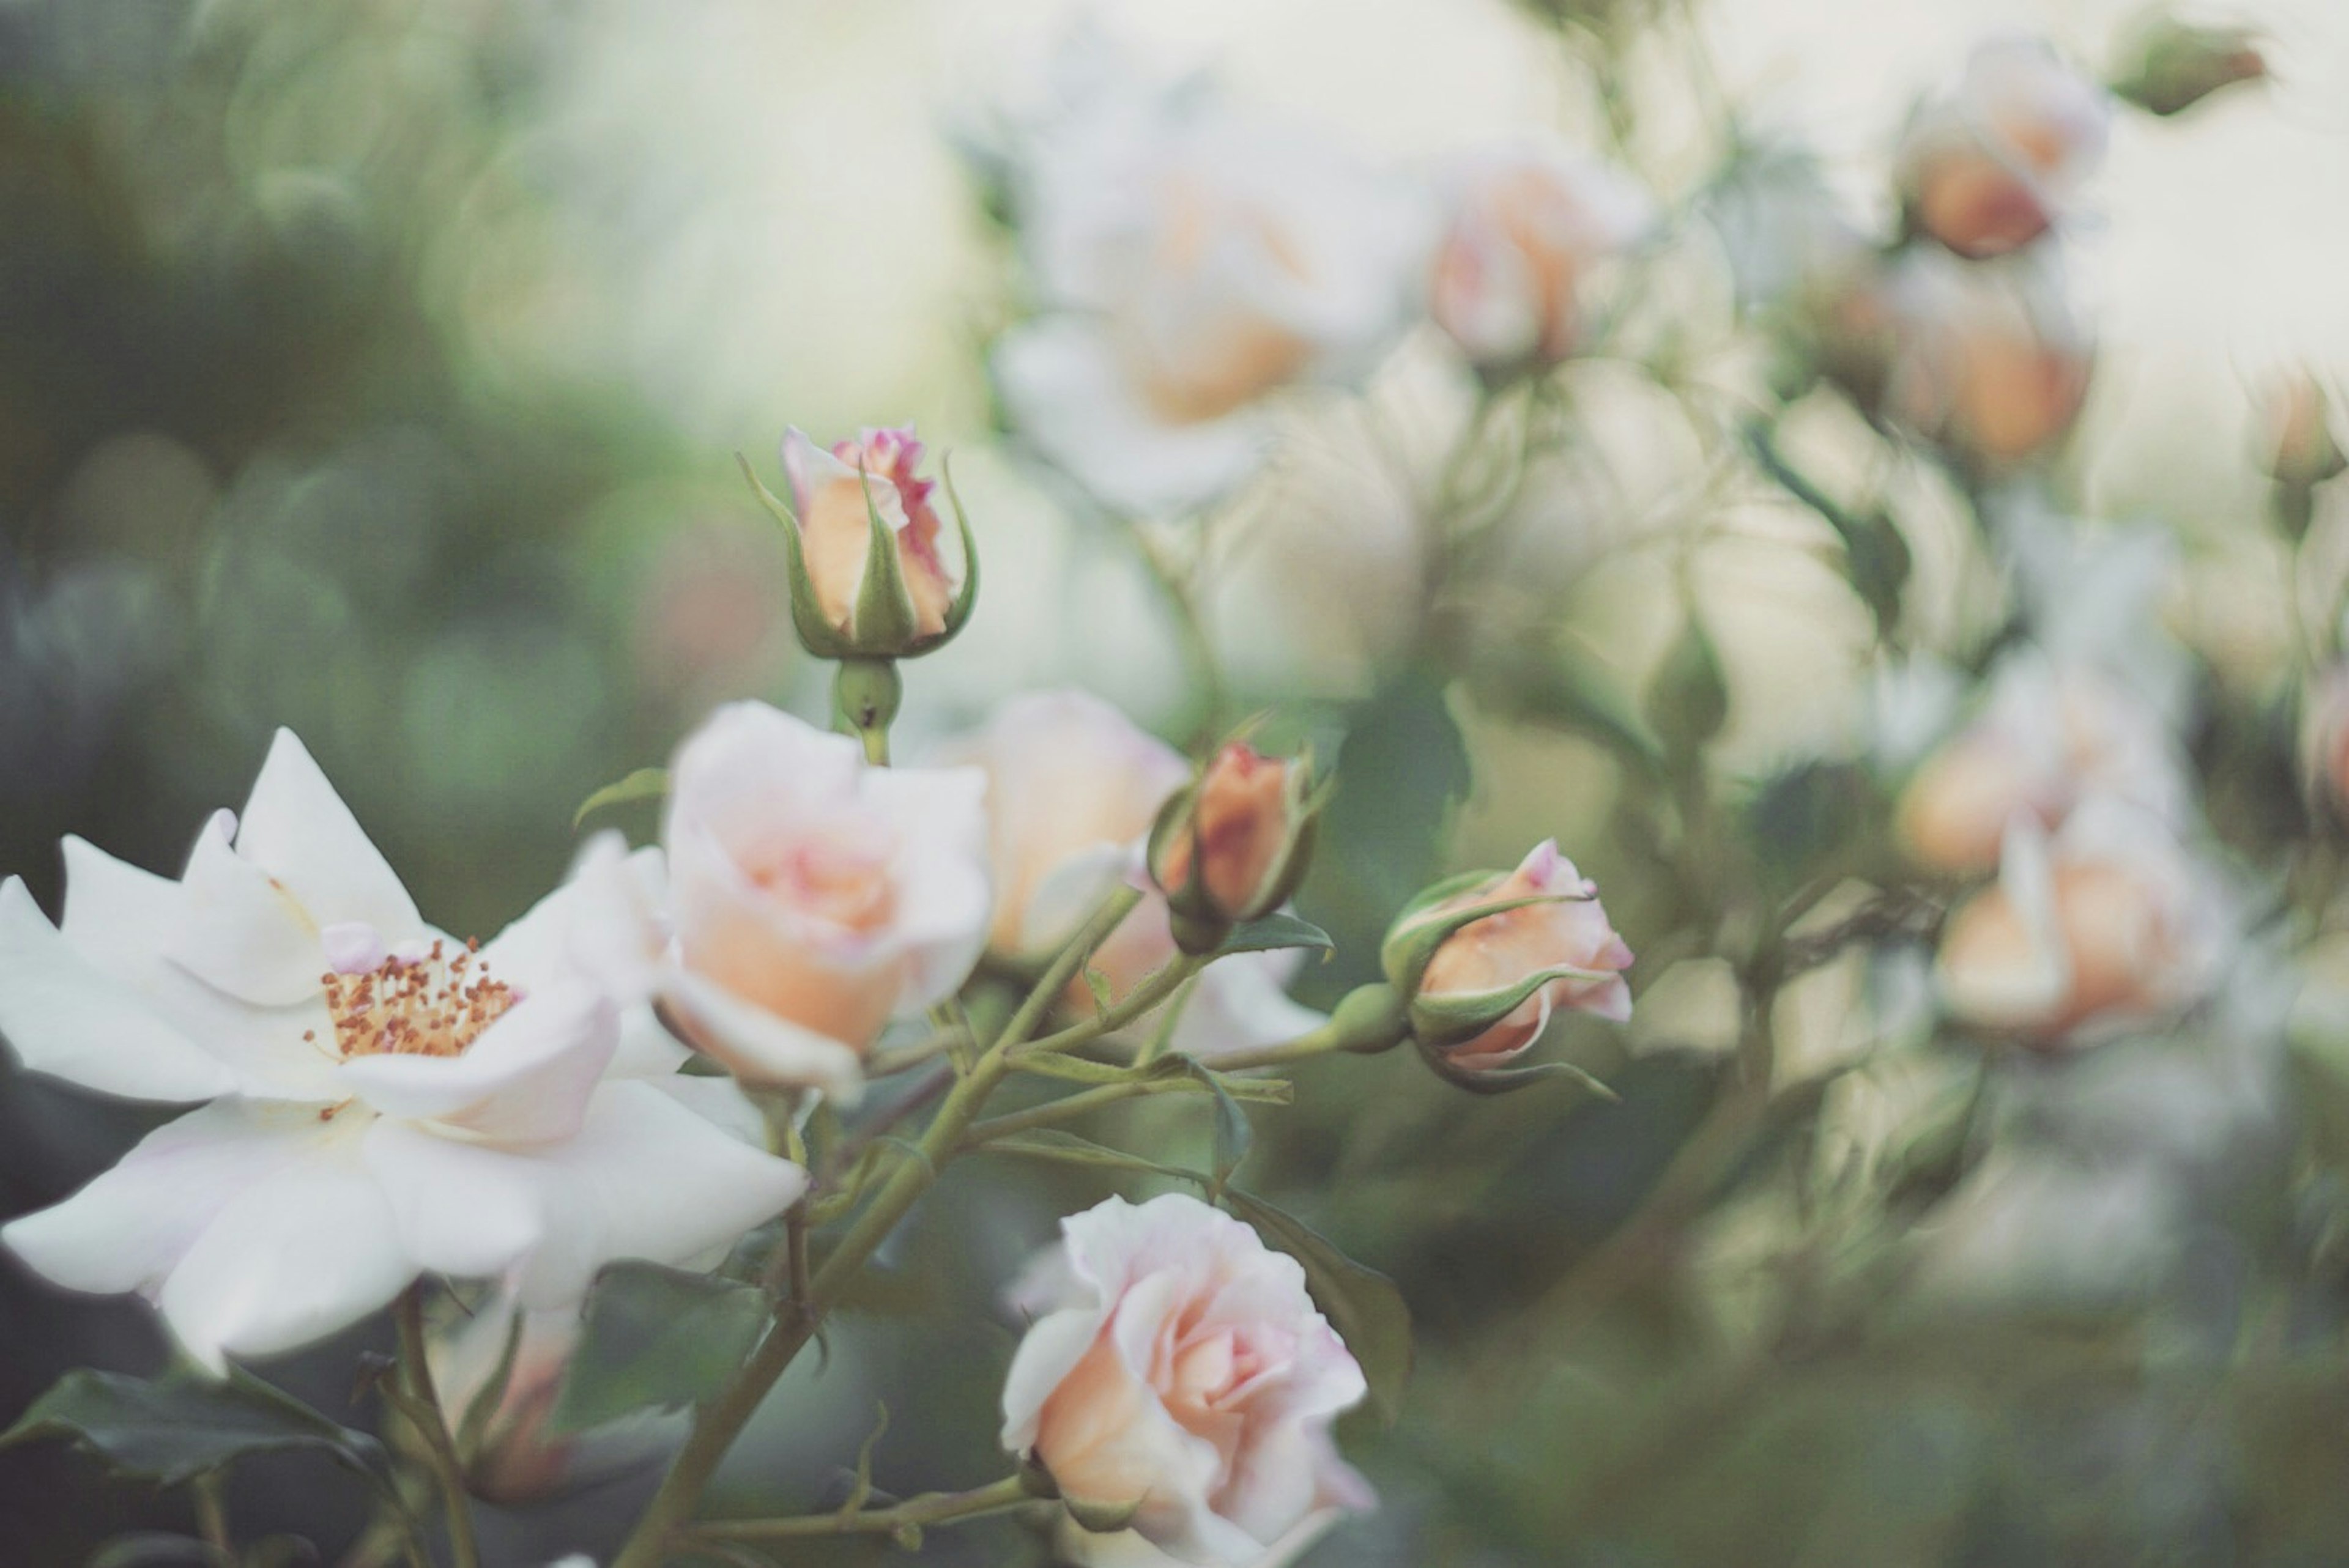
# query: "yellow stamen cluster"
[[434, 1006]]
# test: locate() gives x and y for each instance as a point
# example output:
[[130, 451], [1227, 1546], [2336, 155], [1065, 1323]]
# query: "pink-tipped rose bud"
[[1529, 223], [850, 596], [1177, 1380], [2105, 925], [1486, 958], [1987, 166], [1233, 846]]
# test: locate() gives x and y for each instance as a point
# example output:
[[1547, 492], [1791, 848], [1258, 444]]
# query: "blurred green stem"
[[908, 1516], [1179, 589], [421, 1404], [717, 1425], [1069, 1107]]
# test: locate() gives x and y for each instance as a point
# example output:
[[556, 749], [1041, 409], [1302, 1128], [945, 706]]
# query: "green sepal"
[[1412, 941], [966, 598], [885, 621], [817, 636], [1508, 1080], [1099, 1517], [1455, 1016]]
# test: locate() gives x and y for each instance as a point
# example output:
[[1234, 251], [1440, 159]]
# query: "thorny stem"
[[717, 1425], [422, 1406], [930, 1507]]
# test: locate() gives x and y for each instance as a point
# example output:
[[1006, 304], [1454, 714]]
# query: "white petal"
[[760, 1047], [299, 1254], [297, 828], [242, 931], [1072, 890], [132, 1225], [1240, 1004], [126, 920], [718, 1101], [1047, 1354], [1068, 396], [526, 1080], [462, 1209], [66, 1018], [602, 920], [646, 1178], [647, 1050]]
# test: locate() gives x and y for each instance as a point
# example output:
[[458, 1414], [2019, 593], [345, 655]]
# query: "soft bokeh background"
[[374, 369]]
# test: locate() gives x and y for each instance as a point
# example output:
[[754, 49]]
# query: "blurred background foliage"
[[373, 368]]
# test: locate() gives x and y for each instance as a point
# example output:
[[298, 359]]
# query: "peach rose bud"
[[1176, 1380], [1988, 167], [870, 578], [1233, 846], [2297, 448], [1486, 958]]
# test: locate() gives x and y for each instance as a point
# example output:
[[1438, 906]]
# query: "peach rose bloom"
[[1242, 821], [829, 492], [1177, 1367], [1074, 787], [1529, 223], [2105, 925], [1990, 360], [814, 898], [1501, 950], [1987, 168], [2048, 737]]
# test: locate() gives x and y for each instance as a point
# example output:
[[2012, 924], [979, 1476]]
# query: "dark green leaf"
[[643, 784], [657, 1337], [1270, 932], [181, 1425], [1233, 1133], [1689, 701], [1361, 1304]]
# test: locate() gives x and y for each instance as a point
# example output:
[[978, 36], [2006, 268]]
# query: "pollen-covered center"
[[417, 1001]]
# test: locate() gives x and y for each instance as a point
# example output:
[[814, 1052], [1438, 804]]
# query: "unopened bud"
[[1234, 845], [2297, 448], [2175, 63]]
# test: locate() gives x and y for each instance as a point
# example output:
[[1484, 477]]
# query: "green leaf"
[[1361, 1304], [657, 1337], [643, 784], [1689, 701], [181, 1425], [1232, 1134], [1056, 1147], [1268, 932]]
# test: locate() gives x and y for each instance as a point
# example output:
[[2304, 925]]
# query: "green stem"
[[1154, 989], [717, 1425], [432, 1425], [930, 1507], [209, 1492], [1067, 1108], [1329, 1036]]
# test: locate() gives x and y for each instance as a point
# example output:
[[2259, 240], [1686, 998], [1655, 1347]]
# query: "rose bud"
[[2294, 420], [2106, 924], [499, 1374], [1177, 1380], [813, 898], [1234, 845], [1487, 957], [2178, 64], [868, 578], [2324, 740], [1529, 223], [1991, 364], [1987, 166]]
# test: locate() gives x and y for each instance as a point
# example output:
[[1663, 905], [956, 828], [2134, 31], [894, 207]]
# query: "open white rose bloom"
[[383, 1100]]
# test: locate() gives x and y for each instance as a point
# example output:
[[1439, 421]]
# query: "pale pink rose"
[[831, 489], [1529, 223], [2048, 737], [1073, 785], [813, 897], [2106, 924], [1178, 1367], [1989, 361], [1501, 951], [1989, 165]]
